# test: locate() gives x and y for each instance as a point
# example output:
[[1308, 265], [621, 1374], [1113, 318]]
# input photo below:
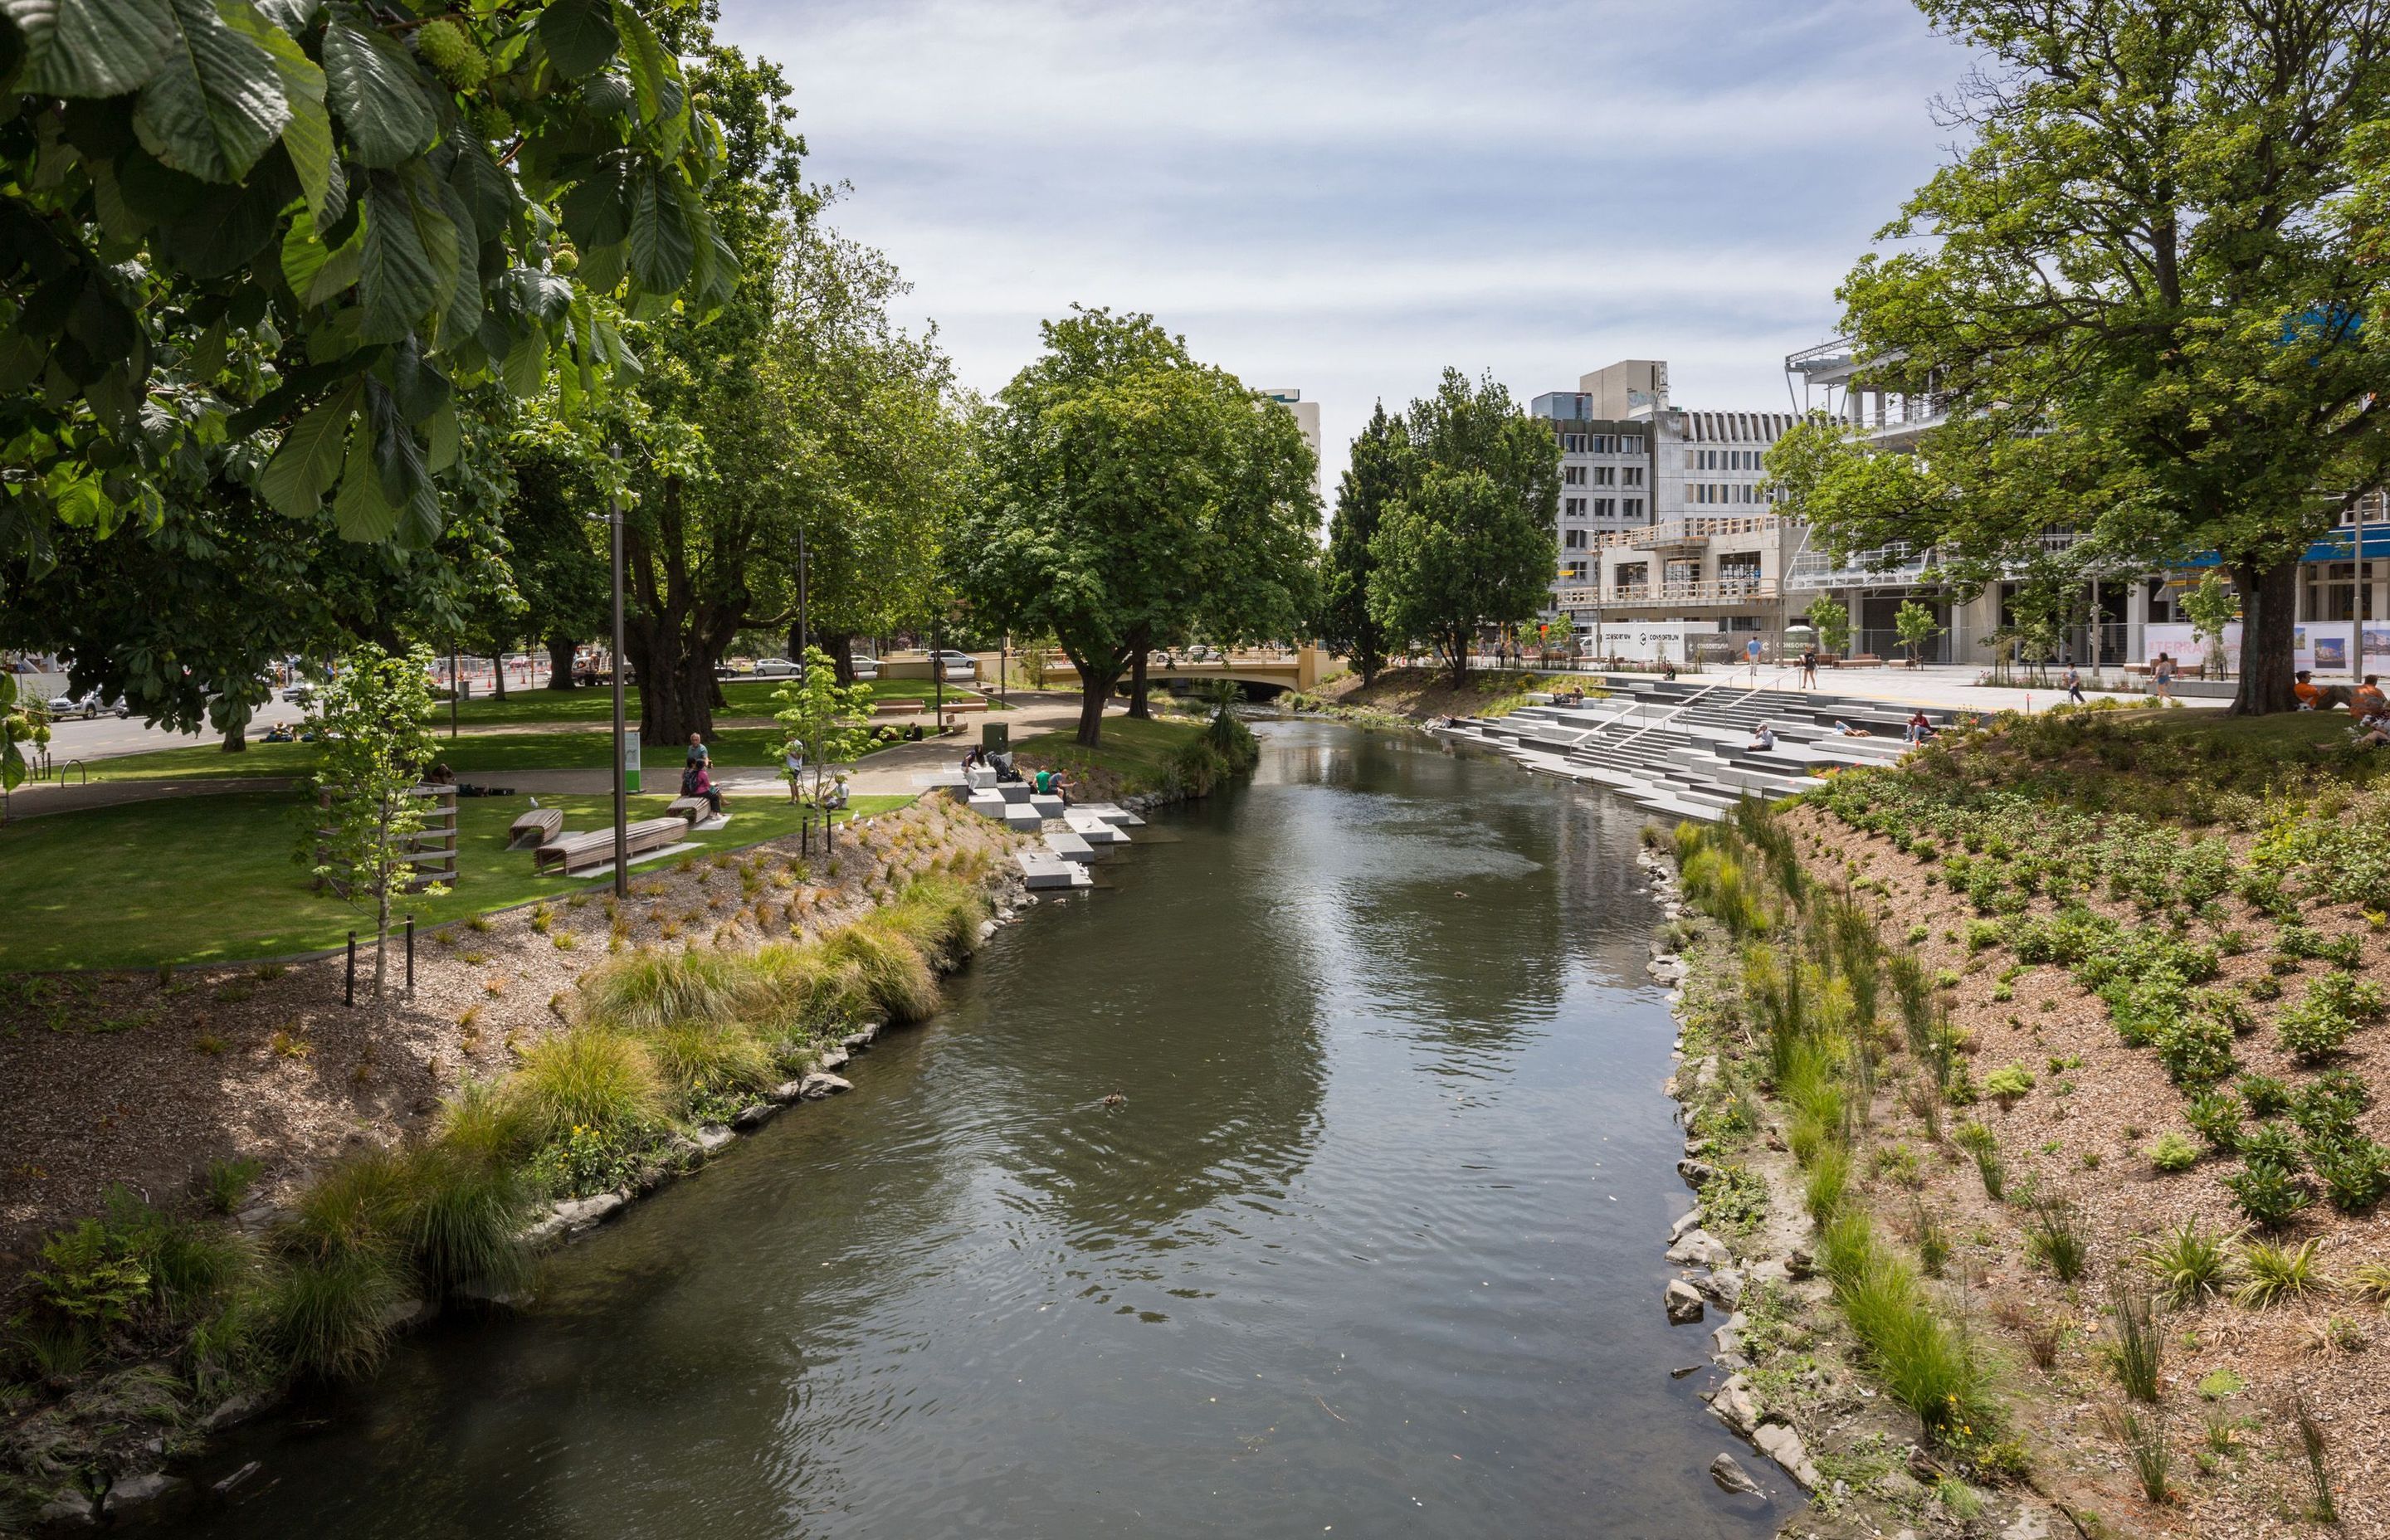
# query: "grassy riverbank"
[[2072, 1026], [381, 1162], [1398, 696], [1162, 757]]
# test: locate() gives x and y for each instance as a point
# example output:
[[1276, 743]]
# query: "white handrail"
[[1690, 701]]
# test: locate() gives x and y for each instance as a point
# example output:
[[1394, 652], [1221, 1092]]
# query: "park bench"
[[974, 704], [901, 706], [535, 827], [695, 810], [573, 853], [1861, 660]]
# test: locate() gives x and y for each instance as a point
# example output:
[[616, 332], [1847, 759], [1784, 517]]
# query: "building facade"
[[1306, 417]]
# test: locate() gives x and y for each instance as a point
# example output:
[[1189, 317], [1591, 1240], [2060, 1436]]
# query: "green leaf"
[[446, 442], [525, 366], [90, 47], [316, 275], [308, 135], [487, 189], [597, 209], [379, 94], [655, 76], [579, 36], [410, 259], [295, 481], [662, 250], [215, 104], [361, 512]]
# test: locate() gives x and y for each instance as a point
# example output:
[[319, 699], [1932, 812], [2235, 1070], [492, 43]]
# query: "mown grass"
[[741, 698], [213, 878]]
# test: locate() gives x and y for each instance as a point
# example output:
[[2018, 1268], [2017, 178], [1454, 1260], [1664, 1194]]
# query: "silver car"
[[86, 706]]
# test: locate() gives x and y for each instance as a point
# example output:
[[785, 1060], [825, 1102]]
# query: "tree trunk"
[[236, 740], [1459, 645], [1096, 683], [2268, 611], [559, 663], [497, 676], [1138, 704], [839, 646]]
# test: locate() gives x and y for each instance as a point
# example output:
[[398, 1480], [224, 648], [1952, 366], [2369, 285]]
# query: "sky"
[[1346, 199]]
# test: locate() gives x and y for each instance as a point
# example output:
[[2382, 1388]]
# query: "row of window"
[[1722, 459], [1602, 508], [1601, 475], [1724, 491], [1603, 443]]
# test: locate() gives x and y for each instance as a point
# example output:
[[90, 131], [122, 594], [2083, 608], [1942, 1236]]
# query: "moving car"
[[953, 664], [773, 668], [299, 693]]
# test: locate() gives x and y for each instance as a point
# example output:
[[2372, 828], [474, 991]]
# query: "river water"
[[1372, 1247]]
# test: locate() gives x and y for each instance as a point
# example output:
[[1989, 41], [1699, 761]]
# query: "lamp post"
[[622, 804]]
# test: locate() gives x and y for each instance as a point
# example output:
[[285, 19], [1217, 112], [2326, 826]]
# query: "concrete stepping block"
[[988, 804], [1113, 814], [1015, 791], [1047, 805], [1094, 830], [1070, 847], [1047, 871], [1021, 815]]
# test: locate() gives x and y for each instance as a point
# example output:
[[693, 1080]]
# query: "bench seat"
[[535, 827], [572, 852]]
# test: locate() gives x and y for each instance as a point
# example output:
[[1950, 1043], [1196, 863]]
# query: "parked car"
[[299, 693], [863, 667], [65, 706], [953, 664], [773, 668]]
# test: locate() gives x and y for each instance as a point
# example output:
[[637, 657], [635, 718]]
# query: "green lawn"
[[1135, 751], [743, 697], [212, 880]]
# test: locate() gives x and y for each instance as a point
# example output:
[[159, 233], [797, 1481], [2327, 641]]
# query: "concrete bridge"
[[1275, 669]]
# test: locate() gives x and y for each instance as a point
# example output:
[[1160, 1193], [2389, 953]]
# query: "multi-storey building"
[[1605, 477], [1306, 418]]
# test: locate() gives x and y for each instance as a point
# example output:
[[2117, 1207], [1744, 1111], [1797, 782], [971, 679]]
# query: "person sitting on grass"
[[2373, 732], [2303, 685], [836, 797], [2367, 699]]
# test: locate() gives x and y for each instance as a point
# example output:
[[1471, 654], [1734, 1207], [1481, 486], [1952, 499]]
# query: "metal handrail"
[[74, 764], [1688, 704]]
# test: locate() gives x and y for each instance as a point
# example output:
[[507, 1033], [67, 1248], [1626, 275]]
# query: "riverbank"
[[1405, 697], [366, 1169], [2107, 1078]]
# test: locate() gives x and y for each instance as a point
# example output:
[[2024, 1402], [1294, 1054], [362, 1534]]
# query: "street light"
[[622, 804]]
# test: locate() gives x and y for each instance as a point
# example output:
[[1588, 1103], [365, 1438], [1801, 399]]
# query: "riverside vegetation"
[[134, 1322], [2067, 1024]]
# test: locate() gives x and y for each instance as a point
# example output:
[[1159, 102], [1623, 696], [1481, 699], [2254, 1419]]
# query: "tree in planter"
[[2147, 292], [1372, 480], [828, 723], [2212, 606], [373, 717], [1915, 626], [1831, 621]]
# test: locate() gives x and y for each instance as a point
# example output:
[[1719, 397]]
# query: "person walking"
[[1808, 668], [2073, 680], [2162, 677]]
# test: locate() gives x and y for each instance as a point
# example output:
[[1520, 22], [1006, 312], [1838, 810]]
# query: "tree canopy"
[[1128, 494], [2147, 288], [1371, 480]]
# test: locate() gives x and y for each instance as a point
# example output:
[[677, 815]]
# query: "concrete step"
[[987, 804], [1118, 816], [1039, 870], [1047, 805], [1024, 817], [1070, 847], [1094, 829]]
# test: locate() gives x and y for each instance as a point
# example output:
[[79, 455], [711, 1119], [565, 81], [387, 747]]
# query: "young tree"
[[1372, 480], [829, 723], [1831, 621], [2148, 290], [1915, 626], [1127, 493], [2212, 606], [372, 716]]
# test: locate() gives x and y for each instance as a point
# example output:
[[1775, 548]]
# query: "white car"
[[953, 664], [65, 706], [861, 667], [298, 694], [773, 668]]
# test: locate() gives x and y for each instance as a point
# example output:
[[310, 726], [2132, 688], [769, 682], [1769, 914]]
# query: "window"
[[1605, 475], [1634, 507], [1572, 475], [1633, 475], [1573, 443], [1690, 457], [1572, 507], [1630, 443], [1632, 578], [1575, 572], [1571, 540], [1600, 444]]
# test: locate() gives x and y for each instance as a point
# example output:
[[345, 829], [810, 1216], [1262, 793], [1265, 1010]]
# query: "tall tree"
[[2148, 288], [1470, 539], [1126, 492], [1373, 479]]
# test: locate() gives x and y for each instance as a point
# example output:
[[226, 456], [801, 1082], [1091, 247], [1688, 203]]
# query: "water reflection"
[[1372, 1241]]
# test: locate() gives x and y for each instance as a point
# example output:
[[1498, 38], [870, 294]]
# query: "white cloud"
[[1346, 197]]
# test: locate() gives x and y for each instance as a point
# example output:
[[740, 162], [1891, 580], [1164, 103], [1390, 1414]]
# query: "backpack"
[[688, 781]]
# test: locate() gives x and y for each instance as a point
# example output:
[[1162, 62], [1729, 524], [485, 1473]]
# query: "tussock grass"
[[695, 1058], [463, 1211], [890, 972], [657, 986], [586, 1077], [341, 1269]]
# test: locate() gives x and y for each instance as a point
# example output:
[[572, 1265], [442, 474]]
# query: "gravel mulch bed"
[[2084, 1131], [126, 1077]]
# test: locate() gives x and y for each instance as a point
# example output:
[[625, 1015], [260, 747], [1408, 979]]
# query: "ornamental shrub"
[[2270, 1194], [2196, 1049], [2173, 1153], [2215, 1116], [2354, 1173]]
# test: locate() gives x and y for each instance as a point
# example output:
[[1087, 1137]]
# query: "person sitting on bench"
[[1050, 783], [698, 781]]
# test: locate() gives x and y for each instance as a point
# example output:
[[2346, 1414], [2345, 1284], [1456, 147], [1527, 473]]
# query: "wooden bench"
[[695, 810], [535, 827], [901, 706], [573, 853], [1861, 660]]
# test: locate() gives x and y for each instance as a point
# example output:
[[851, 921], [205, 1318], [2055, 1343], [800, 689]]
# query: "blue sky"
[[1347, 198]]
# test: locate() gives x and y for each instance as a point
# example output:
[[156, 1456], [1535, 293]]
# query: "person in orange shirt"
[[2367, 699], [2303, 686]]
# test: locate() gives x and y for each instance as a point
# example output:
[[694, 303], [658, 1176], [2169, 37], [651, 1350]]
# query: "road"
[[105, 736]]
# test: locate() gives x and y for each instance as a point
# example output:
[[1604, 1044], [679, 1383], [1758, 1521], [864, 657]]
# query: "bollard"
[[350, 997], [410, 955]]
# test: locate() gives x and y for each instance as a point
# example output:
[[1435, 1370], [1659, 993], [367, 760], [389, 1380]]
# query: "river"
[[1371, 1248]]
